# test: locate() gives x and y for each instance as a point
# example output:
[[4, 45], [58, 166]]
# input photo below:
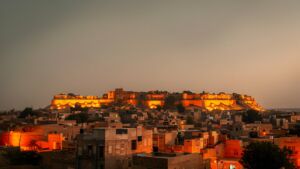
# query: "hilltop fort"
[[155, 99]]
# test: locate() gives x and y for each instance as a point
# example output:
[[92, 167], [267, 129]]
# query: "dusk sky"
[[88, 47]]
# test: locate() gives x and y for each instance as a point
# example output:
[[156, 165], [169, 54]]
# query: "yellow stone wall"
[[186, 103], [221, 101], [208, 103], [63, 103], [154, 103]]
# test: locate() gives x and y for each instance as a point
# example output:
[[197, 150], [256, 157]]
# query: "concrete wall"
[[187, 161]]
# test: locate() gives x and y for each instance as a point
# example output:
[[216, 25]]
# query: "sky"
[[90, 47]]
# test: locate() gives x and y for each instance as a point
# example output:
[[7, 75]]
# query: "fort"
[[154, 99]]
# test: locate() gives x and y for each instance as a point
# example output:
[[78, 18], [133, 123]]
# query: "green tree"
[[180, 108], [170, 102], [78, 107], [251, 116], [265, 155], [179, 139], [158, 108], [190, 120], [26, 112], [141, 99], [80, 117], [295, 130]]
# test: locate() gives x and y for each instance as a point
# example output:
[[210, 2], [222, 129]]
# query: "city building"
[[111, 148]]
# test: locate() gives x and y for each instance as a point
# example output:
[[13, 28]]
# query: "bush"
[[251, 116], [80, 117], [28, 111], [180, 108], [265, 155]]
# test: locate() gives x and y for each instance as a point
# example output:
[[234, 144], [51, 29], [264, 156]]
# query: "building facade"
[[111, 148]]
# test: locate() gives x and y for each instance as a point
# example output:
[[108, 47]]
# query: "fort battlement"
[[153, 99]]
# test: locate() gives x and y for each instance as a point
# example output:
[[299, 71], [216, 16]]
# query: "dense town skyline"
[[89, 48]]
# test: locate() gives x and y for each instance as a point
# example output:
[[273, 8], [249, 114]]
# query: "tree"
[[26, 112], [80, 117], [190, 120], [141, 99], [158, 108], [179, 139], [78, 107], [295, 130], [251, 116], [126, 117], [170, 102], [265, 155], [180, 108], [253, 134]]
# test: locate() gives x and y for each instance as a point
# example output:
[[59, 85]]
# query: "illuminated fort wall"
[[187, 103], [220, 101], [207, 101], [220, 104], [152, 104], [63, 101], [210, 101]]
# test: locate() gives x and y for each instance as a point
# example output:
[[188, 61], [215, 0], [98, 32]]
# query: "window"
[[79, 151], [133, 145], [140, 138], [90, 150], [100, 151], [121, 131]]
